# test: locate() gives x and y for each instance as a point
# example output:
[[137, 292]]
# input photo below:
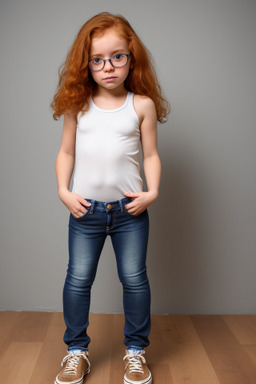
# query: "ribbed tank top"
[[107, 149]]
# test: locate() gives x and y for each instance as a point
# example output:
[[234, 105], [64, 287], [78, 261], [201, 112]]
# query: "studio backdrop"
[[202, 248]]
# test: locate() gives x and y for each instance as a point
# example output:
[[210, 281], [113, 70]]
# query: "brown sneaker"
[[136, 370], [75, 366]]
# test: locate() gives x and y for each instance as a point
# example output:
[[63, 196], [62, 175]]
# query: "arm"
[[64, 168], [151, 162]]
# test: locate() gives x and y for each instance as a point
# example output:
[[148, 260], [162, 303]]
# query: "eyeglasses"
[[118, 60]]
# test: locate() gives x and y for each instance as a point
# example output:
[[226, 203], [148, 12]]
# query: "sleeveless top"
[[107, 149]]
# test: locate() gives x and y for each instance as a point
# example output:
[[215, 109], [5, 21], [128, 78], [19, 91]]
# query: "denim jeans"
[[129, 236]]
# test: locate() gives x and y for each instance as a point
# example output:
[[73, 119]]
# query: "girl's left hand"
[[140, 201]]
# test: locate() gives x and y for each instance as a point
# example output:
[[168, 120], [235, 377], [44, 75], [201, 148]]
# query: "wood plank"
[[48, 364], [161, 373], [7, 321], [243, 327], [31, 326], [157, 356], [251, 352], [116, 374], [100, 358], [188, 360], [100, 327], [157, 353], [231, 363], [18, 362], [118, 328], [56, 327]]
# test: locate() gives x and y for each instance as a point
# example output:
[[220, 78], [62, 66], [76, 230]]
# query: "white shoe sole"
[[70, 382], [146, 381]]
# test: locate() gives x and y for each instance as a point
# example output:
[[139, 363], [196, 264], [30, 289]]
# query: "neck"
[[109, 99], [110, 93]]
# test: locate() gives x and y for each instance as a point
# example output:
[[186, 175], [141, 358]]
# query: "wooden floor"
[[183, 350]]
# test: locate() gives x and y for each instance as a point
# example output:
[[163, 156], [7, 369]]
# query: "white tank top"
[[107, 149]]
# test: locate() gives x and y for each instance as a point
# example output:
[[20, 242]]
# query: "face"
[[104, 47]]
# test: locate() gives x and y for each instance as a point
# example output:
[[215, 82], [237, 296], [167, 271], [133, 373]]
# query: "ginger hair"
[[76, 85]]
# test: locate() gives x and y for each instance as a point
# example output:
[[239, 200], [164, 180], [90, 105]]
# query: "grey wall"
[[202, 247]]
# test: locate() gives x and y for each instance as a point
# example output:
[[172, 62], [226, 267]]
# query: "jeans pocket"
[[131, 214], [84, 216]]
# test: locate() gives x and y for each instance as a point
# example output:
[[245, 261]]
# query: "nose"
[[108, 66]]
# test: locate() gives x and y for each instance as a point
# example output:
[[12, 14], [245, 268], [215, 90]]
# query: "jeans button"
[[109, 206]]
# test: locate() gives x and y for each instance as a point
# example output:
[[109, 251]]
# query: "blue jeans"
[[129, 236]]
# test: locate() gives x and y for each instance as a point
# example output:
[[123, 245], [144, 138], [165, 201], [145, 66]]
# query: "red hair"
[[76, 85]]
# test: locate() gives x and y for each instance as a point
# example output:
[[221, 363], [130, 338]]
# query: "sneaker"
[[75, 366], [136, 370]]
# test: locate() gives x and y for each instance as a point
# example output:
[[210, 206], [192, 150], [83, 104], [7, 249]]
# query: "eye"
[[118, 56], [96, 60]]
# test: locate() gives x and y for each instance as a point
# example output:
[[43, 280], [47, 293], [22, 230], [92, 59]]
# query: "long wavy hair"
[[76, 85]]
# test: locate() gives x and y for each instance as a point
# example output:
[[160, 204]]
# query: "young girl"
[[111, 101]]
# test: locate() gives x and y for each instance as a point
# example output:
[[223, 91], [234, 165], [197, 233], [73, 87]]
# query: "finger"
[[80, 212], [131, 194], [129, 206], [133, 211], [79, 208], [84, 202]]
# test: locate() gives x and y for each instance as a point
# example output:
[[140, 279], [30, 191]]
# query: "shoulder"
[[143, 102], [144, 107]]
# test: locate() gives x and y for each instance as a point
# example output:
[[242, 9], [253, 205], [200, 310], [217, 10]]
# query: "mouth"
[[110, 78]]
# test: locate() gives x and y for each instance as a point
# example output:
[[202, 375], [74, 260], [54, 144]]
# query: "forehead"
[[107, 43]]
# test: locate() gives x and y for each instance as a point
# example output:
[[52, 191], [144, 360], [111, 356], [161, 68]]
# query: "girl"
[[111, 101]]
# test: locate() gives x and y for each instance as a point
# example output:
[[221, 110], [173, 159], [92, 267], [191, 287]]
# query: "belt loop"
[[92, 207], [121, 205]]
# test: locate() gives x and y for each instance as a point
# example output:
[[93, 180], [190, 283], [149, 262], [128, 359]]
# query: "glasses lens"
[[96, 64], [119, 60]]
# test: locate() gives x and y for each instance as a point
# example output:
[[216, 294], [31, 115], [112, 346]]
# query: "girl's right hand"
[[74, 203]]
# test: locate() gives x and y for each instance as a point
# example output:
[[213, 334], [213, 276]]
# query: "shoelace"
[[73, 361], [135, 362]]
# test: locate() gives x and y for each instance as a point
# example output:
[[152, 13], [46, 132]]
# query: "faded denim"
[[129, 236]]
